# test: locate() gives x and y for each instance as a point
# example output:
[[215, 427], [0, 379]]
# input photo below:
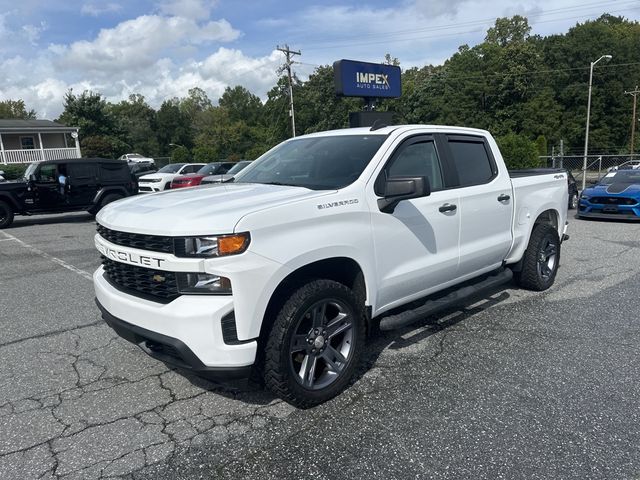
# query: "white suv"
[[161, 180]]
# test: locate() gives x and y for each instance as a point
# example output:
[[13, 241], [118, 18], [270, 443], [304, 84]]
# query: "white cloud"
[[194, 9], [97, 9], [136, 44], [32, 32]]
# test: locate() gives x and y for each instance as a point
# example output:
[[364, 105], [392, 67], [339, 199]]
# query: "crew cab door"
[[416, 246], [83, 183], [485, 205]]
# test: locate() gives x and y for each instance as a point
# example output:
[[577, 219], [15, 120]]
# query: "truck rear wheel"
[[315, 344], [6, 214], [541, 259]]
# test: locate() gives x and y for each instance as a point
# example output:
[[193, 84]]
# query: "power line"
[[484, 20], [287, 66], [458, 33]]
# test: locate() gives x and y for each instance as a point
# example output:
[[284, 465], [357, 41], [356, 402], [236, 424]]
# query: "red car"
[[194, 179]]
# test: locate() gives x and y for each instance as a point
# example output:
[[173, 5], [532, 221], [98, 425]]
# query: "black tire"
[[6, 214], [541, 259], [573, 201], [301, 326], [111, 197]]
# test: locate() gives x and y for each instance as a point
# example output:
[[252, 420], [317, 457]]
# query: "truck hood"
[[205, 210]]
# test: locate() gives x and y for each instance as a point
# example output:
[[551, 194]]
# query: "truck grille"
[[154, 243], [613, 200], [147, 281]]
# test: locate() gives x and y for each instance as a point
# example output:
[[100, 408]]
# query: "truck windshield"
[[318, 163]]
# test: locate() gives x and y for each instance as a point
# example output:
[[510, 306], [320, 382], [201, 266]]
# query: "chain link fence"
[[597, 165]]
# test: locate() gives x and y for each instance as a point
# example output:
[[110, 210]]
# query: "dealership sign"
[[362, 79]]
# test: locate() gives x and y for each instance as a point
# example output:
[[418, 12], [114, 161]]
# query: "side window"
[[114, 172], [419, 159], [191, 168], [471, 161], [82, 173], [47, 173]]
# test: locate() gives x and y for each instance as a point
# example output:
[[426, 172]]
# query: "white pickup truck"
[[287, 269]]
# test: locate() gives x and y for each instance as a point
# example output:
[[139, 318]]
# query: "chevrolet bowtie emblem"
[[158, 278]]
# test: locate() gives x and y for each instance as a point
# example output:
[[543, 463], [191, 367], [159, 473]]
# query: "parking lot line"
[[51, 258]]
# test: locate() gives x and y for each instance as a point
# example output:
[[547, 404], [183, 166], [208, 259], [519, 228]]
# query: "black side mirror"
[[402, 188], [32, 178]]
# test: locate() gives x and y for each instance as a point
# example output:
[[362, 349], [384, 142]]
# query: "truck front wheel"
[[6, 214], [541, 259], [315, 344]]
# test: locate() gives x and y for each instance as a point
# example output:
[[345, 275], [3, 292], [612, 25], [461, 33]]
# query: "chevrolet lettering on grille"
[[131, 258]]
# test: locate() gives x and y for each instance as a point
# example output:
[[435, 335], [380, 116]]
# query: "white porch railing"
[[35, 155]]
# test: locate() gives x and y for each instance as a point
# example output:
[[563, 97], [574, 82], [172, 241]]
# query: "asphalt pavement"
[[516, 385]]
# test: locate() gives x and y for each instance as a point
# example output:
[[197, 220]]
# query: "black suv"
[[57, 186]]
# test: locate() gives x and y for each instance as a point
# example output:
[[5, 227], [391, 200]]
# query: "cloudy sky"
[[161, 48]]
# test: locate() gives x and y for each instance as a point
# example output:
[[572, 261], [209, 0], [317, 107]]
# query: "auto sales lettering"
[[374, 81]]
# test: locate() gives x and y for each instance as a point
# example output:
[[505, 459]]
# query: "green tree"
[[15, 109], [88, 111], [241, 105], [180, 155], [173, 126], [518, 151], [135, 125]]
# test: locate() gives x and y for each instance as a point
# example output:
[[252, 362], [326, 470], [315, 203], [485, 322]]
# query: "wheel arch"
[[5, 197], [342, 269]]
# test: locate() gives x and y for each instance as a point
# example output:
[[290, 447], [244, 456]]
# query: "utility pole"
[[287, 66], [634, 94]]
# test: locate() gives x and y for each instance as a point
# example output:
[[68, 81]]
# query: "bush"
[[518, 151], [205, 154], [13, 172], [103, 146], [180, 155]]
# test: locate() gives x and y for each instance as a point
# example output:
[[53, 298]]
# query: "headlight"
[[584, 197], [203, 284], [213, 246]]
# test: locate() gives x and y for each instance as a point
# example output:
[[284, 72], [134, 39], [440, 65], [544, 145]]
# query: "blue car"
[[616, 196]]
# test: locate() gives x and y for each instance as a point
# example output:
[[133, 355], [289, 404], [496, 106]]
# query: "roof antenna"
[[377, 125]]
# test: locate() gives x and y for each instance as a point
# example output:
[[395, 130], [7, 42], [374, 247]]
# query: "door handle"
[[448, 207], [503, 198]]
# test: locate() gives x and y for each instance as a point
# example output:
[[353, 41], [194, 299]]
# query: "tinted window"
[[190, 169], [471, 161], [82, 173], [115, 172], [319, 163], [47, 173], [171, 168], [417, 160], [210, 169]]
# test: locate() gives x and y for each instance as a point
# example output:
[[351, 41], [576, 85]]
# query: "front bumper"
[[190, 325], [617, 212], [170, 350], [149, 187]]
